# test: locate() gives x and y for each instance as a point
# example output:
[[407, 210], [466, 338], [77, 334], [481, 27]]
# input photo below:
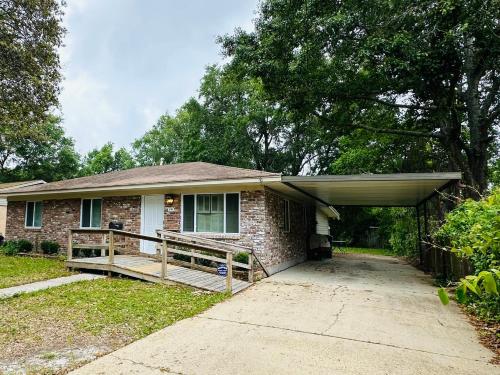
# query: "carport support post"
[[417, 209]]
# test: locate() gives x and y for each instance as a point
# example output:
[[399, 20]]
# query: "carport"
[[374, 190]]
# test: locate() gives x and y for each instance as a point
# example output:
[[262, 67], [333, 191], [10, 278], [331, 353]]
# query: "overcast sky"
[[126, 62]]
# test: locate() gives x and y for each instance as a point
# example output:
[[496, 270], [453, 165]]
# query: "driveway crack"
[[159, 368], [342, 338]]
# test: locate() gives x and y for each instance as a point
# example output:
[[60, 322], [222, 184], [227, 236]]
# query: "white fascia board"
[[176, 185]]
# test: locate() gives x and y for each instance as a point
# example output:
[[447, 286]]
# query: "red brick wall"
[[284, 249], [260, 226], [172, 219], [60, 215]]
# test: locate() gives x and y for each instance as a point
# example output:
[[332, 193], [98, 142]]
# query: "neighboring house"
[[219, 202], [3, 201]]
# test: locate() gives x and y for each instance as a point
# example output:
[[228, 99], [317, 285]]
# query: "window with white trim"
[[90, 216], [33, 217], [286, 215], [211, 213]]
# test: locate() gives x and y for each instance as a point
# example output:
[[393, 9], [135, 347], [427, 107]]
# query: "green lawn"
[[362, 250], [23, 270], [104, 314]]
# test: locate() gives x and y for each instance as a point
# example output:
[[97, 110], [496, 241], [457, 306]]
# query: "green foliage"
[[50, 157], [14, 247], [443, 296], [234, 123], [403, 236], [106, 160], [9, 248], [50, 247], [241, 257], [472, 230], [24, 246], [378, 66], [31, 33]]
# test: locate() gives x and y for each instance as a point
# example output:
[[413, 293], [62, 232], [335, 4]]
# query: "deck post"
[[163, 259], [193, 262], [103, 250], [229, 276], [111, 247], [250, 263], [70, 244]]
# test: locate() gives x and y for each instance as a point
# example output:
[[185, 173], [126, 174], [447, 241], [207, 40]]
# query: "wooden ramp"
[[148, 269]]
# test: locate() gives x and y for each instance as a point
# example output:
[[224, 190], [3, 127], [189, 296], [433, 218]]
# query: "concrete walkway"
[[356, 314], [46, 284]]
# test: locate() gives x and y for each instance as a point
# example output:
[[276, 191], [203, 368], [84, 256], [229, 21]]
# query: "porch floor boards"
[[149, 269]]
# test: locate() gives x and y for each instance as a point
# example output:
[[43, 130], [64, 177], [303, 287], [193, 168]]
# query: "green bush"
[[9, 248], [50, 247], [24, 246], [241, 258], [472, 230]]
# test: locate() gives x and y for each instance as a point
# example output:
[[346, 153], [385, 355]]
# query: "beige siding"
[[3, 216], [322, 226]]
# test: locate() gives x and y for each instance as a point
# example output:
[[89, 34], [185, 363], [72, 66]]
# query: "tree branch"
[[411, 133], [395, 105]]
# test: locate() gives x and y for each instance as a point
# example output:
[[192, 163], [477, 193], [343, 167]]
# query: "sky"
[[126, 62]]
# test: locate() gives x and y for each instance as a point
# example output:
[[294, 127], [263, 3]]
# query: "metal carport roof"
[[402, 189]]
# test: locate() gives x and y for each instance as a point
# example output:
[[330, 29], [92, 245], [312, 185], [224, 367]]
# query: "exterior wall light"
[[169, 200]]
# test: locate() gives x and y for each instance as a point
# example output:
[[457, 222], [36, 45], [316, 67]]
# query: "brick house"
[[247, 207]]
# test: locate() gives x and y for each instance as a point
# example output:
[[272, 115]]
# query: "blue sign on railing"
[[222, 270]]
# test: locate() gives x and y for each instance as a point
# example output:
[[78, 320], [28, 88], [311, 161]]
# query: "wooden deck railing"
[[167, 240]]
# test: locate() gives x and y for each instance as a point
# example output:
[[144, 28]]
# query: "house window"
[[211, 213], [286, 215], [33, 215], [91, 213]]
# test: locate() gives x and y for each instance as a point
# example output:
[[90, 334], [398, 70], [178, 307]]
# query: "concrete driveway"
[[355, 314]]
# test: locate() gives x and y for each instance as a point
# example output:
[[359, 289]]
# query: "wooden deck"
[[150, 270]]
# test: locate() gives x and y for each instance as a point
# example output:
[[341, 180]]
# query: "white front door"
[[151, 220]]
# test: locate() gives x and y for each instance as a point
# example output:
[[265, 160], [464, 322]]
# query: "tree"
[[105, 160], [50, 156], [30, 35], [233, 122], [433, 65]]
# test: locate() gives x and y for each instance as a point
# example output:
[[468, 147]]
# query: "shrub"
[[472, 230], [50, 247], [241, 258], [24, 246], [9, 248]]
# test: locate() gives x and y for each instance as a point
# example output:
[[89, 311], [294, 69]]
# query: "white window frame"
[[196, 211], [287, 203], [91, 209], [26, 215]]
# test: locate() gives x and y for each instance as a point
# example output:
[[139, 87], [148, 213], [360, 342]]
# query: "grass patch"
[[363, 250], [105, 313], [16, 270]]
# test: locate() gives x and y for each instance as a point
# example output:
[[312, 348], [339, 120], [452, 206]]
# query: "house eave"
[[142, 188]]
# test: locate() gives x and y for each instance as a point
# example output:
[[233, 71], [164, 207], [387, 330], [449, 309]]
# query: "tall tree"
[[105, 160], [233, 122], [50, 156], [30, 35], [433, 64]]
